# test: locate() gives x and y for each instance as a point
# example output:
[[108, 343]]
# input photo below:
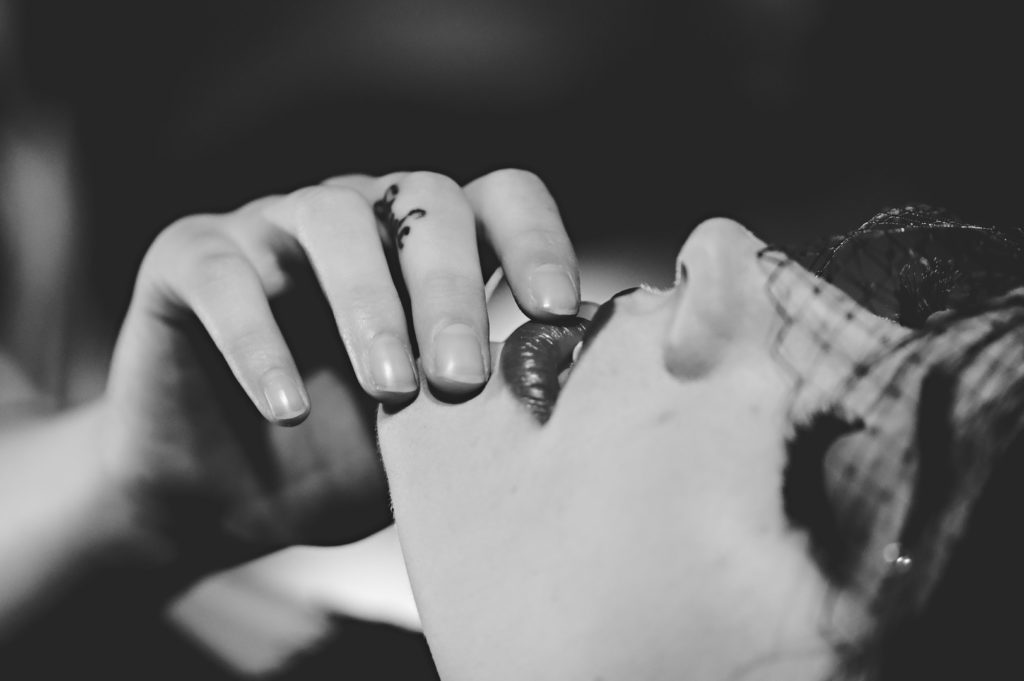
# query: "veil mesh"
[[905, 261], [953, 369]]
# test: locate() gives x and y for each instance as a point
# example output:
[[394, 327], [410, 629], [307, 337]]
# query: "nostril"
[[682, 274]]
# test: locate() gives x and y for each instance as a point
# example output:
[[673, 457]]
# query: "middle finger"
[[431, 224], [337, 230]]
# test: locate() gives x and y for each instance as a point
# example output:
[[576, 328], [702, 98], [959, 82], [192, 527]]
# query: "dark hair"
[[946, 609], [969, 626], [957, 628]]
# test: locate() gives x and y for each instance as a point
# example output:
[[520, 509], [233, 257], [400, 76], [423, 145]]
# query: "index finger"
[[520, 220]]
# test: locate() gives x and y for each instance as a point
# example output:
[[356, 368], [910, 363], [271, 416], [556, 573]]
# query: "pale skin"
[[632, 536], [217, 439], [640, 533]]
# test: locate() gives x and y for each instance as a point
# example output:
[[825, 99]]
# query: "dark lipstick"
[[532, 359]]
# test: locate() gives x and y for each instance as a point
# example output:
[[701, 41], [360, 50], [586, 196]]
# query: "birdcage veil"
[[947, 364], [905, 261]]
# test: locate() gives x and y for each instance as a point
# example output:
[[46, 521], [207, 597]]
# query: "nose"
[[721, 238], [715, 303]]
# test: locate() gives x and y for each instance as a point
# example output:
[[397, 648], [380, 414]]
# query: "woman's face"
[[642, 531]]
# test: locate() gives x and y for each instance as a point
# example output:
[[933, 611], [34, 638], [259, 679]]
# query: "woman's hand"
[[286, 313]]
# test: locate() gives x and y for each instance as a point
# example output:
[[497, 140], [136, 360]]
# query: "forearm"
[[64, 524]]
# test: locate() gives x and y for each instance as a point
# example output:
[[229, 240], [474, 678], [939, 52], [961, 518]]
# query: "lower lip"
[[532, 359]]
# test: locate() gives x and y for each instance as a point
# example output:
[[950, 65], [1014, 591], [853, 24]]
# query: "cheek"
[[673, 520], [644, 522]]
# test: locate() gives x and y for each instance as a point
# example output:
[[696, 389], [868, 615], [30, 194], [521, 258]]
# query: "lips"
[[533, 357]]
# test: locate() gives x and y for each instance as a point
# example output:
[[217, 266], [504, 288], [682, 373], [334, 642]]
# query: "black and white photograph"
[[511, 340]]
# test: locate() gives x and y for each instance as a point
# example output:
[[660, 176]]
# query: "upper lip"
[[601, 317], [536, 352]]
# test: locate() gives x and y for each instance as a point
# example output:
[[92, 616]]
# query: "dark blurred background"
[[643, 116], [798, 117]]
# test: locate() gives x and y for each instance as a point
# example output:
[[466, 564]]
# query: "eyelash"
[[804, 490], [926, 287]]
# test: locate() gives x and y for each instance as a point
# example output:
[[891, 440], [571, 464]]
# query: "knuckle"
[[251, 348], [392, 178], [542, 240], [450, 288], [509, 178], [366, 302], [256, 206], [320, 203], [430, 182], [345, 180], [184, 232], [370, 293], [217, 268], [181, 243]]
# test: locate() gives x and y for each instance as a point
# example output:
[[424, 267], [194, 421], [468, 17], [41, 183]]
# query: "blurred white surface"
[[256, 617], [366, 579]]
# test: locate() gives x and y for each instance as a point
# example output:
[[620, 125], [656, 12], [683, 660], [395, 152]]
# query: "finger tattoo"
[[397, 228]]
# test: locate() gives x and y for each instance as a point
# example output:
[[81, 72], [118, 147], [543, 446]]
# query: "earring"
[[898, 560]]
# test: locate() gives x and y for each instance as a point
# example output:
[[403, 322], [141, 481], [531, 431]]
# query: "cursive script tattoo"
[[384, 210]]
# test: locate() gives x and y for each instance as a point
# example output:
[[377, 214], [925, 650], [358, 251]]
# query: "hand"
[[233, 331]]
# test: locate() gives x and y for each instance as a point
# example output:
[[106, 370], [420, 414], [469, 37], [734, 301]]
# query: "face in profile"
[[674, 508]]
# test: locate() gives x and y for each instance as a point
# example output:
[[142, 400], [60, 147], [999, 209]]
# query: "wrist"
[[158, 524], [68, 525], [141, 535], [112, 512]]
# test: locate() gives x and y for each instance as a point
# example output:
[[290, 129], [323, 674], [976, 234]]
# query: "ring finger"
[[428, 220]]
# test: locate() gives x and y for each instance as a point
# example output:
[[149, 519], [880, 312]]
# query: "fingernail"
[[457, 355], [286, 399], [390, 365], [553, 290], [588, 309]]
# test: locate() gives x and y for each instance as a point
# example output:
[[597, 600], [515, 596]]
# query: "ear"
[[711, 306]]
